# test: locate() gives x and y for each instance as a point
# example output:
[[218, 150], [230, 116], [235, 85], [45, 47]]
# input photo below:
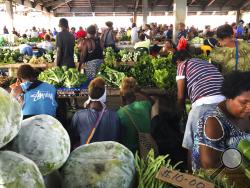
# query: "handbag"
[[92, 132], [145, 140]]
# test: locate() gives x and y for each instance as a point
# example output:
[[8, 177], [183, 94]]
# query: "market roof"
[[127, 7]]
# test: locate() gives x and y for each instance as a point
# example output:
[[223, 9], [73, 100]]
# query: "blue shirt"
[[26, 49], [40, 100], [83, 122]]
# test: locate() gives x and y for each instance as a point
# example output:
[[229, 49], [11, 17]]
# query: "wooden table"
[[12, 68]]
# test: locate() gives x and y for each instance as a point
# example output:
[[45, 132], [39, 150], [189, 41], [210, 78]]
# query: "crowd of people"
[[220, 99]]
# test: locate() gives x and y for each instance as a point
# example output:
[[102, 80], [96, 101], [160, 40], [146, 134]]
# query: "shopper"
[[81, 34], [225, 126], [83, 122], [200, 81], [134, 34], [35, 96], [108, 36], [65, 43], [143, 43], [47, 45], [234, 54], [5, 30], [133, 113], [91, 53]]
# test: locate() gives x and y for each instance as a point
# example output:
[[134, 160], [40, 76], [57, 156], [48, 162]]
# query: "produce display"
[[61, 76], [11, 117], [43, 139], [147, 70], [18, 171], [244, 148], [8, 56], [99, 165], [148, 168]]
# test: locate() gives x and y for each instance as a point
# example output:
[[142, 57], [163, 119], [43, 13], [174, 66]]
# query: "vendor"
[[133, 114], [46, 44], [142, 43], [225, 126], [106, 122], [168, 48], [35, 96], [25, 48], [91, 53]]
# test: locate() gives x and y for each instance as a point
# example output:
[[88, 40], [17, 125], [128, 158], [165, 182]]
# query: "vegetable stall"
[[155, 75]]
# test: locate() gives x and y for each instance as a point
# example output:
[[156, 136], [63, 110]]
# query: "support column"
[[238, 16], [145, 11], [134, 17], [180, 14], [9, 10]]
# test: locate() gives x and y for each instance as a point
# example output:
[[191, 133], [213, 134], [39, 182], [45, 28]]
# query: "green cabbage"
[[98, 165], [43, 139], [10, 117], [18, 171]]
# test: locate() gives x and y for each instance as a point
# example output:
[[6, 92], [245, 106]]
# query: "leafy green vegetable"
[[113, 77], [147, 170], [62, 77], [73, 78], [9, 56]]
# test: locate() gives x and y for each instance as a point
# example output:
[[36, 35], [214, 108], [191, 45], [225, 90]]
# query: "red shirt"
[[41, 35], [81, 34]]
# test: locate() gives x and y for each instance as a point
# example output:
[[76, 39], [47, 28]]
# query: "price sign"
[[181, 179]]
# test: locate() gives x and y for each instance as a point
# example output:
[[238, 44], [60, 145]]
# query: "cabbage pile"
[[101, 164], [43, 139]]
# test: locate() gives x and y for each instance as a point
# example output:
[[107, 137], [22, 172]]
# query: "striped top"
[[203, 78]]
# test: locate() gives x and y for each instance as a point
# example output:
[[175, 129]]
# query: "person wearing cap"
[[65, 43], [108, 128], [91, 53], [200, 81], [133, 114], [108, 36]]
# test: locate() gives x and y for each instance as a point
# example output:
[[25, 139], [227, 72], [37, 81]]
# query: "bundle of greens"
[[110, 57], [111, 76], [8, 56], [143, 71], [147, 170], [164, 72], [59, 77], [73, 78]]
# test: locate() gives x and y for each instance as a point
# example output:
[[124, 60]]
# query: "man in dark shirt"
[[65, 43]]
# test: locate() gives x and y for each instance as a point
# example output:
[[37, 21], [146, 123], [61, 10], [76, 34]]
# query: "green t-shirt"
[[140, 113]]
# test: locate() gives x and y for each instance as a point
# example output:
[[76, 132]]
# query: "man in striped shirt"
[[201, 82]]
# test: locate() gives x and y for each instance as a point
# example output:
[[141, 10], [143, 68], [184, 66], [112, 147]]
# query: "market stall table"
[[12, 68], [131, 46], [70, 100]]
